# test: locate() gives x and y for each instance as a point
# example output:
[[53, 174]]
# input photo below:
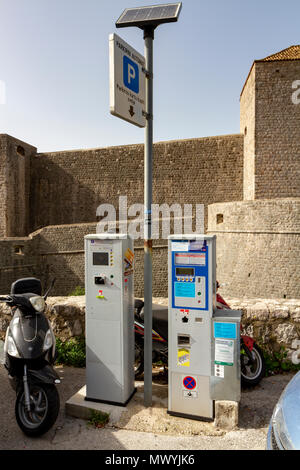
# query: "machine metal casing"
[[192, 300], [204, 342], [109, 318], [226, 357]]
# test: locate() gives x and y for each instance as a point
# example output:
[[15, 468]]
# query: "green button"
[[199, 293], [111, 276]]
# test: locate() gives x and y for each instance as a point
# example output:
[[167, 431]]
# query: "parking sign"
[[127, 82]]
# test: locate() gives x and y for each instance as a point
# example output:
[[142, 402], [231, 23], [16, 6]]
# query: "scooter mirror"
[[50, 288]]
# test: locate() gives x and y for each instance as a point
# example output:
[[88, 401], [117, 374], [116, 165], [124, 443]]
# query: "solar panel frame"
[[151, 15]]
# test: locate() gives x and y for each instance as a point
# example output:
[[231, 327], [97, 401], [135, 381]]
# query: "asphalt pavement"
[[74, 434]]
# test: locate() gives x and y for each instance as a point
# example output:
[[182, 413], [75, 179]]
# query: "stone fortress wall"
[[249, 184], [67, 187]]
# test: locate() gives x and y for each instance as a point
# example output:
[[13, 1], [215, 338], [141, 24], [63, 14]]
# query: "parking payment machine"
[[109, 318], [204, 362], [192, 293]]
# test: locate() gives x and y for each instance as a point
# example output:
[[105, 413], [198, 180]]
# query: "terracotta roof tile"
[[291, 53]]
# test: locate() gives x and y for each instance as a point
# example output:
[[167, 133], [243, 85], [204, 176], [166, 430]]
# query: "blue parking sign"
[[131, 74]]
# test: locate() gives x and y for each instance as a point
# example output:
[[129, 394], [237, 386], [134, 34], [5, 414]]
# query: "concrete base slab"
[[78, 407], [154, 419]]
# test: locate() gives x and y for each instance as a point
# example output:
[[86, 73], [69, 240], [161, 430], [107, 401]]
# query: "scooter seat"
[[26, 285]]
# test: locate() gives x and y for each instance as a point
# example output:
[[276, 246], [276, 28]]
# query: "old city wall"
[[15, 157], [258, 247], [67, 187], [277, 118], [270, 122]]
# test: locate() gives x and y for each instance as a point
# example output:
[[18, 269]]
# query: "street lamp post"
[[148, 18]]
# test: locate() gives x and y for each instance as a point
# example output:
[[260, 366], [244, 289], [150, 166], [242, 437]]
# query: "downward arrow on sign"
[[131, 112]]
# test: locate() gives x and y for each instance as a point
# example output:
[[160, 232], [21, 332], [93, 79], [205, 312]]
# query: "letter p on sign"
[[130, 74]]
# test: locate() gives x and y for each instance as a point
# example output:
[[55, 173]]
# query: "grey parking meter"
[[109, 318], [203, 346]]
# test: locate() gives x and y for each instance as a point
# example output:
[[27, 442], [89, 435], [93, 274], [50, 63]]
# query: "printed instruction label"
[[224, 352], [190, 394], [180, 246]]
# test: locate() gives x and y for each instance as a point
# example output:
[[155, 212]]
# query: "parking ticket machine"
[[109, 318], [192, 294], [204, 347]]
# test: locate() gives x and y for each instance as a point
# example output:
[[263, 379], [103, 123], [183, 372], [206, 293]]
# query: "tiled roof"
[[291, 53]]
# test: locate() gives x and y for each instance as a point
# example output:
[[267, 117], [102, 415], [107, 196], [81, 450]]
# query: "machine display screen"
[[185, 272], [185, 289], [100, 259]]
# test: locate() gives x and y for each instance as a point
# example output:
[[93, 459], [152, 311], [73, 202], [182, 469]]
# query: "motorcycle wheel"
[[138, 361], [252, 371], [44, 408]]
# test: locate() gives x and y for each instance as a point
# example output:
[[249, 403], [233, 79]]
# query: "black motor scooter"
[[29, 352]]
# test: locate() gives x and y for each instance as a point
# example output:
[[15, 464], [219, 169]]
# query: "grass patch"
[[77, 291], [277, 362], [71, 352], [98, 419]]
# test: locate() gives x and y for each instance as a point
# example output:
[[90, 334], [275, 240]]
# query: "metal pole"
[[148, 37]]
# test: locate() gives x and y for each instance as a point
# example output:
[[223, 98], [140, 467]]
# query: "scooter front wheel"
[[252, 369], [44, 408]]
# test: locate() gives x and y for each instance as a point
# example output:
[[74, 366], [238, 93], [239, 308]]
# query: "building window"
[[220, 218], [245, 131], [20, 150], [19, 250]]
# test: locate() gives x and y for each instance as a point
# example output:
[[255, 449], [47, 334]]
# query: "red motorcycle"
[[252, 359]]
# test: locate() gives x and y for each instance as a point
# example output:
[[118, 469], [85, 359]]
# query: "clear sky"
[[54, 63]]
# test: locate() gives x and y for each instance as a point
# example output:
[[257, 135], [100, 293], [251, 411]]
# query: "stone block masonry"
[[258, 247], [270, 123], [67, 187], [274, 323], [249, 184]]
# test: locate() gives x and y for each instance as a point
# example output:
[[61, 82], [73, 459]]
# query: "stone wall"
[[272, 143], [273, 323], [67, 187], [58, 252], [15, 157], [258, 247], [247, 128]]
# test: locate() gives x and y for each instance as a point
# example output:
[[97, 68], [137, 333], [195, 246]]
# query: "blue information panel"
[[190, 274], [225, 330], [184, 290]]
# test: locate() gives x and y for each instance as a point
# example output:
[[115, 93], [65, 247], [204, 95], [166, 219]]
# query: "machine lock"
[[100, 279]]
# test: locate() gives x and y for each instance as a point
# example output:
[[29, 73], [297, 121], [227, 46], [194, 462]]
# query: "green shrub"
[[277, 362], [71, 352], [98, 419]]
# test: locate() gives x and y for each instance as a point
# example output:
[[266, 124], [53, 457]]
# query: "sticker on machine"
[[190, 394], [189, 383], [224, 349], [183, 357], [180, 246], [128, 262]]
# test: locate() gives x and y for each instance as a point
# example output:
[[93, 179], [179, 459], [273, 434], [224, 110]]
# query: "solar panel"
[[149, 16]]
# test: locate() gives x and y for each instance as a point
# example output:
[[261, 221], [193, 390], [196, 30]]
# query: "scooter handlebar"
[[5, 299]]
